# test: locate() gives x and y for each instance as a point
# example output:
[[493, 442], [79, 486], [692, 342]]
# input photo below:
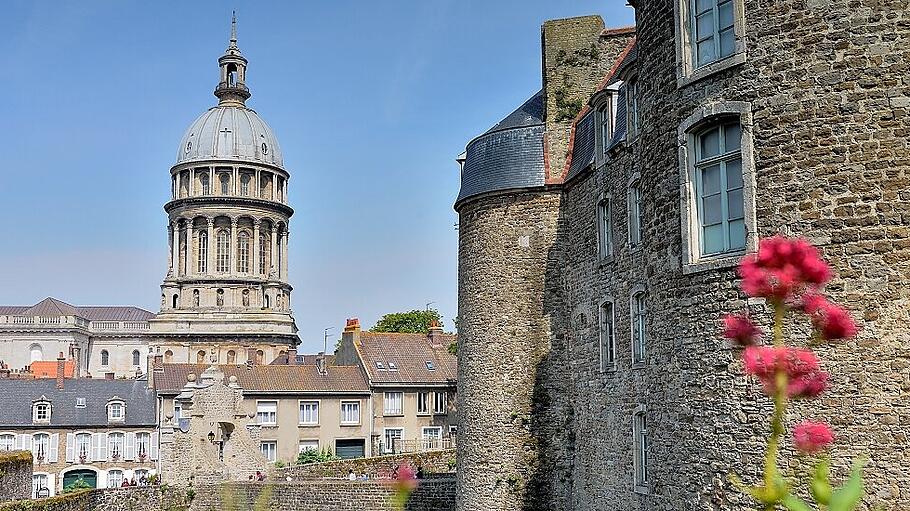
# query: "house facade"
[[102, 432]]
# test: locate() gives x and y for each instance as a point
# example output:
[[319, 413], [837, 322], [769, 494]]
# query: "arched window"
[[639, 332], [36, 354], [640, 447], [115, 445], [225, 184], [259, 356], [231, 357], [243, 252], [245, 185], [168, 356], [266, 301], [219, 298], [202, 252], [246, 297], [231, 74], [607, 336], [136, 358], [175, 301], [204, 181], [265, 246], [200, 357], [105, 358], [224, 251]]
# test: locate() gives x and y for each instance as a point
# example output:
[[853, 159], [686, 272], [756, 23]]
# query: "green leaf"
[[820, 486], [847, 496], [794, 503]]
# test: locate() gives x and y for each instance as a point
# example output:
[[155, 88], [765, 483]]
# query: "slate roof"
[[410, 354], [584, 144], [53, 307], [16, 397], [282, 360], [270, 378], [509, 155]]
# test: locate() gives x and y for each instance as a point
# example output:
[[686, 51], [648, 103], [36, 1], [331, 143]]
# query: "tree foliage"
[[415, 321]]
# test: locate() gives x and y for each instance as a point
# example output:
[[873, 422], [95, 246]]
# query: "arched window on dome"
[[224, 251], [231, 357], [200, 357], [231, 74], [245, 185], [202, 252], [204, 184], [265, 245], [243, 252], [225, 184]]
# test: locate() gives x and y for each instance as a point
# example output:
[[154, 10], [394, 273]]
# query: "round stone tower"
[[227, 279]]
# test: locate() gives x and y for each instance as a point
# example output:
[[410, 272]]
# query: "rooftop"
[[270, 378], [407, 358]]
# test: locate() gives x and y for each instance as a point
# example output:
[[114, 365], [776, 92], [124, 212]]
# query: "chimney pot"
[[61, 370], [352, 325]]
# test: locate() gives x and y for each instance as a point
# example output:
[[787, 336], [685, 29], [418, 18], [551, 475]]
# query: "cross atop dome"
[[232, 87]]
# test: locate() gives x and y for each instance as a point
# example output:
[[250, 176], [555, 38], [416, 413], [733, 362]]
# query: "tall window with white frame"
[[267, 413], [350, 412], [202, 252], [392, 440], [639, 331], [719, 189], [243, 252], [41, 412], [224, 251], [712, 30], [423, 403], [440, 403], [640, 449], [607, 337], [605, 118], [269, 449], [604, 227], [309, 413], [7, 442], [264, 247], [632, 118], [635, 227], [393, 403]]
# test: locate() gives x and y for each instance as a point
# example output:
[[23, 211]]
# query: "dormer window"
[[41, 411], [431, 366], [116, 411], [380, 366], [80, 402], [392, 366]]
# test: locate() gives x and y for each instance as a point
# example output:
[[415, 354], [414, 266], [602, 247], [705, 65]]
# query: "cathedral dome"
[[230, 132]]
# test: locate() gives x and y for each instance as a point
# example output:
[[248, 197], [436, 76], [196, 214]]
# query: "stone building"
[[411, 378], [601, 224], [97, 430], [226, 288]]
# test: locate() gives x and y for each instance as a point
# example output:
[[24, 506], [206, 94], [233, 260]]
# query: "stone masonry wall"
[[15, 475], [431, 495], [829, 94], [148, 498], [377, 467]]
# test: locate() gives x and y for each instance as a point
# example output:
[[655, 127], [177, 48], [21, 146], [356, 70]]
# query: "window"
[[392, 404], [41, 443], [178, 410], [105, 358], [309, 412], [635, 229], [243, 252], [423, 403], [392, 443], [83, 446], [168, 355], [80, 402], [604, 228], [439, 403], [431, 366], [639, 334], [380, 366], [712, 30], [200, 357], [632, 107], [225, 184], [204, 181], [7, 441], [245, 185], [309, 445], [42, 412], [264, 248], [115, 411], [114, 478], [267, 413], [115, 445], [432, 437], [269, 450], [224, 251], [231, 357], [607, 337], [36, 354], [39, 486], [202, 252], [143, 444], [136, 357], [350, 412], [640, 448], [605, 116], [393, 366], [719, 189]]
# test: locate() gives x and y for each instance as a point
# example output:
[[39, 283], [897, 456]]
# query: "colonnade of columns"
[[192, 188]]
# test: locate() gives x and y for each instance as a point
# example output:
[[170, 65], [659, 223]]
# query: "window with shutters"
[[115, 444], [41, 412], [423, 403], [83, 443], [143, 446], [41, 444], [7, 441]]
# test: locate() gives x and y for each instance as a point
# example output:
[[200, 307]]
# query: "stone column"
[[273, 254], [233, 244], [192, 182], [284, 255], [256, 247], [258, 187], [188, 258], [211, 249], [175, 247], [170, 247], [274, 196], [212, 184], [235, 190]]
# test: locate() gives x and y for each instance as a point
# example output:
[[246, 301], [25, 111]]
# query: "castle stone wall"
[[432, 462], [15, 475], [147, 498]]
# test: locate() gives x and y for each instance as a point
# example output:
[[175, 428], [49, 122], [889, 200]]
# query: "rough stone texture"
[[149, 498], [432, 462], [431, 495], [15, 475], [828, 87]]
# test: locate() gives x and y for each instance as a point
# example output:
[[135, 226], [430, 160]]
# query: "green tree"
[[415, 321]]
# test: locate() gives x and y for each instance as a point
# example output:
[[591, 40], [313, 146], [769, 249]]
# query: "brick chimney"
[[61, 370], [250, 357], [292, 356], [434, 335], [321, 363], [4, 370], [352, 325]]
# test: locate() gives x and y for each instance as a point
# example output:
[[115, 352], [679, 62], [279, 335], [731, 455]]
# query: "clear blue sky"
[[371, 102]]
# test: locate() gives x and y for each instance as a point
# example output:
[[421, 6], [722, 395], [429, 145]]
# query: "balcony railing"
[[399, 446], [74, 321]]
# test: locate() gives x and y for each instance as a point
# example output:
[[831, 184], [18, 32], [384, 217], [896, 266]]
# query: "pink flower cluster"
[[783, 268], [804, 376], [812, 437]]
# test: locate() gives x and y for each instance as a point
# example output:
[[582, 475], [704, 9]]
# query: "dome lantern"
[[232, 87]]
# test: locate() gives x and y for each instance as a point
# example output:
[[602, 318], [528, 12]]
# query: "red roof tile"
[[409, 354], [278, 378]]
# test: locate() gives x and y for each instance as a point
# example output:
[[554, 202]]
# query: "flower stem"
[[780, 407]]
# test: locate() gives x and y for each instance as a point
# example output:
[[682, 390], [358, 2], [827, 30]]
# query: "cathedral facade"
[[226, 297]]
